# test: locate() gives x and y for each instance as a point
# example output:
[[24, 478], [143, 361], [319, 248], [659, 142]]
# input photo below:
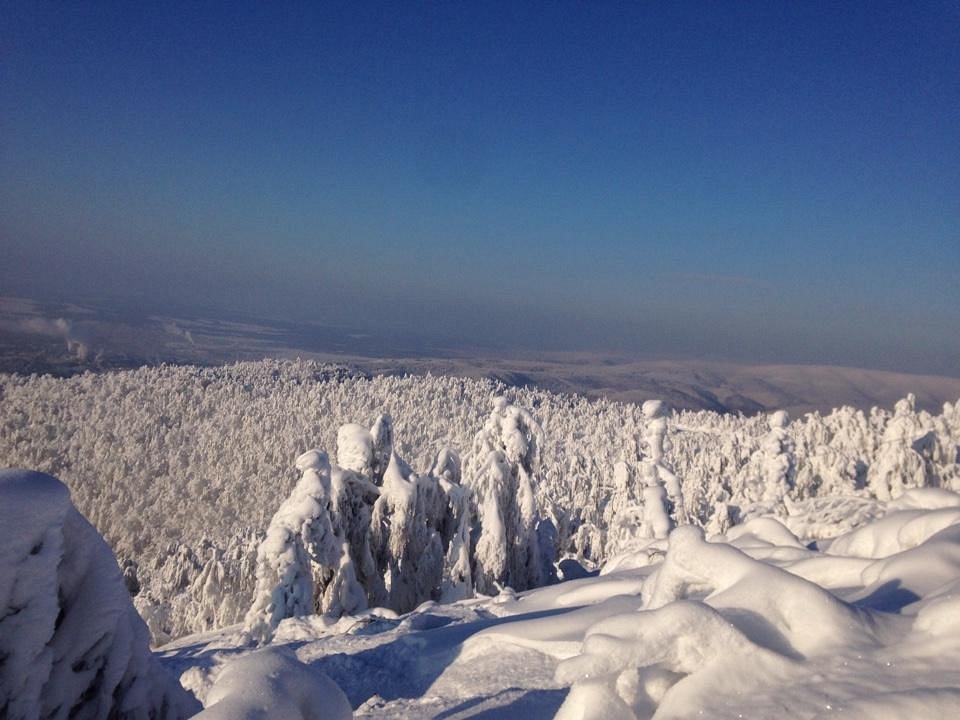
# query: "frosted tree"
[[501, 472], [457, 581], [355, 449], [71, 642], [662, 493], [353, 498], [625, 515], [405, 537], [779, 467], [381, 436], [898, 466], [301, 536], [766, 481]]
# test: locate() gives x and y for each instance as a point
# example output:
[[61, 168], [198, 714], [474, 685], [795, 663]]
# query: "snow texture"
[[71, 643], [271, 684], [182, 468], [753, 623]]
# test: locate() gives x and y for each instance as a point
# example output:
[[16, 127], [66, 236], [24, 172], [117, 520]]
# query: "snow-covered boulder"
[[71, 642]]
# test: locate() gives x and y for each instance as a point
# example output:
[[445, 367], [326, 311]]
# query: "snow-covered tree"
[[898, 466], [662, 493], [405, 536], [301, 536], [457, 581], [768, 478], [71, 643], [501, 472]]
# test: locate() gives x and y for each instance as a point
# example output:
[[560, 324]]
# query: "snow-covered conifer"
[[898, 466], [502, 471], [300, 536], [71, 643]]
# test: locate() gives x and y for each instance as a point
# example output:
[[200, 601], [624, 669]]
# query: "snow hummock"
[[271, 684], [754, 623], [71, 643]]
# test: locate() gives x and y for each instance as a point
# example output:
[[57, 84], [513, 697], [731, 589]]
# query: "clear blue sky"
[[755, 181]]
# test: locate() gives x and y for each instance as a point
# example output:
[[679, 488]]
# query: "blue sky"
[[748, 181]]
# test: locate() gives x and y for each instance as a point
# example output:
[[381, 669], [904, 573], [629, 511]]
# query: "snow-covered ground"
[[754, 624]]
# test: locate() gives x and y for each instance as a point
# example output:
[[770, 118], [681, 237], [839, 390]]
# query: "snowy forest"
[[182, 468], [249, 497]]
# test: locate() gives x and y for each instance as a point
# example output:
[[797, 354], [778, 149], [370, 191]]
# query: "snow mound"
[[71, 643], [749, 624], [894, 533], [731, 635], [271, 684]]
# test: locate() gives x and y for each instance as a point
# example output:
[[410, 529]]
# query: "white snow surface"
[[714, 566], [753, 624], [271, 684]]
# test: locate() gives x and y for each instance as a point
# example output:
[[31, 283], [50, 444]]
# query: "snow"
[[751, 624], [182, 468], [71, 642], [271, 684], [711, 566]]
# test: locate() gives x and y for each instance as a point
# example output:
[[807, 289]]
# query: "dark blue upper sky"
[[755, 181]]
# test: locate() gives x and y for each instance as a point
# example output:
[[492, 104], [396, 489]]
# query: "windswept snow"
[[769, 629]]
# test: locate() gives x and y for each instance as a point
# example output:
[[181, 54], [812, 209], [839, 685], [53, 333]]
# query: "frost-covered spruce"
[[381, 443], [354, 494], [662, 493], [899, 466], [300, 536], [625, 517], [405, 536], [71, 643], [766, 482], [501, 471], [457, 581]]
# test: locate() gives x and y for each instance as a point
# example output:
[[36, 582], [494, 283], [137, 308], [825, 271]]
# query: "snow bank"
[[71, 642], [271, 684], [735, 636]]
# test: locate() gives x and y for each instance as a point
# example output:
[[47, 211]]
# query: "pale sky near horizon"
[[761, 182]]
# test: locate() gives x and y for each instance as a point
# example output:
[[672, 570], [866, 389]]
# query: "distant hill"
[[63, 339]]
